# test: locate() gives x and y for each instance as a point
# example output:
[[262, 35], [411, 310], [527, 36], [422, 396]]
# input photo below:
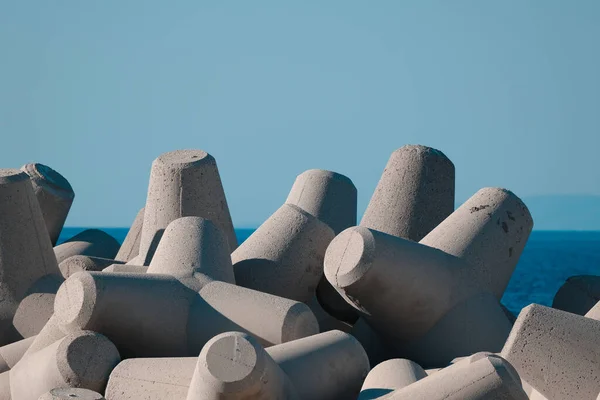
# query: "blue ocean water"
[[549, 258]]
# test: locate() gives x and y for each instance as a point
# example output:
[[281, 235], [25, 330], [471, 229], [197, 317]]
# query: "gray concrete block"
[[488, 232], [389, 376], [10, 354], [54, 194], [130, 247], [91, 242], [284, 256], [415, 193], [578, 294], [557, 352], [26, 253], [183, 183], [70, 394], [84, 263]]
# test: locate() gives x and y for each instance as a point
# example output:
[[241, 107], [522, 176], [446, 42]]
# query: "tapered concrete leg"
[[402, 288], [183, 183], [5, 386], [130, 247], [486, 379], [26, 253], [84, 263], [389, 376], [91, 242], [234, 366], [37, 307], [328, 366], [284, 256], [488, 232], [557, 352], [54, 194], [10, 354], [71, 394], [415, 193], [49, 334], [126, 268], [192, 246], [578, 294], [83, 359], [594, 313]]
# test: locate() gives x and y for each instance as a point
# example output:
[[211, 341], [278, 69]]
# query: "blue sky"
[[509, 90]]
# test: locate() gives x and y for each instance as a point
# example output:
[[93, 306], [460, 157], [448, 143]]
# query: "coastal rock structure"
[[312, 306]]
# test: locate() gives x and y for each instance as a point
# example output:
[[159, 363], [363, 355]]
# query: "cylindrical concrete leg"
[[71, 394], [54, 194], [234, 366], [578, 294], [83, 359], [84, 263], [37, 306], [183, 183], [389, 376], [192, 245], [10, 354], [327, 366], [25, 251], [130, 247], [488, 232], [49, 334], [126, 268], [91, 242], [284, 256], [415, 193]]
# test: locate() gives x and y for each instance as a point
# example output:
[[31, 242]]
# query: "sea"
[[549, 258]]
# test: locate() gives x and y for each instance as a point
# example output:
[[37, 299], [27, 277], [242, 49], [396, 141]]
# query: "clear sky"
[[509, 90]]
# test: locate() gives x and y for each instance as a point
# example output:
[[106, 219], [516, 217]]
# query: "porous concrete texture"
[[234, 366], [415, 193], [84, 263], [389, 376], [91, 242], [130, 247], [154, 315], [488, 232], [192, 246], [578, 294], [82, 360], [25, 251], [183, 183], [284, 256], [10, 354], [71, 394], [54, 195], [557, 352], [489, 378]]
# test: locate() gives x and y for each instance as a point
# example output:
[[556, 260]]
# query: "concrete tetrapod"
[[36, 308], [234, 366], [152, 315], [390, 375], [130, 247], [84, 263], [488, 232], [10, 354], [54, 194], [415, 193], [183, 183], [557, 352], [578, 294], [91, 242], [26, 253], [489, 378], [325, 366], [70, 394], [284, 256], [192, 246], [82, 359]]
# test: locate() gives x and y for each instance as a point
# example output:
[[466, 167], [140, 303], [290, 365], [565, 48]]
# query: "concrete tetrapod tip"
[[234, 366], [71, 394], [84, 263], [284, 256], [594, 313], [54, 194], [488, 232], [557, 352], [183, 183], [83, 359], [148, 315], [389, 376], [91, 242], [192, 246], [26, 253], [415, 193], [578, 294], [489, 378], [10, 354], [130, 247]]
